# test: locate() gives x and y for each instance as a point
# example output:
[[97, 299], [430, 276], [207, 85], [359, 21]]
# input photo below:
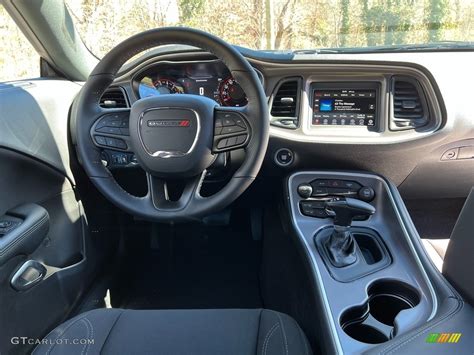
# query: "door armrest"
[[32, 226]]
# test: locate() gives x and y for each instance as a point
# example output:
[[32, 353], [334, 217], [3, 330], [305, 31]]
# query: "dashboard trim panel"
[[338, 73]]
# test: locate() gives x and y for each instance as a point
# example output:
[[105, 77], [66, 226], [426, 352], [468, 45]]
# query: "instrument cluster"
[[209, 78]]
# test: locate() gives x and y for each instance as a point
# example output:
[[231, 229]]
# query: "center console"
[[373, 286]]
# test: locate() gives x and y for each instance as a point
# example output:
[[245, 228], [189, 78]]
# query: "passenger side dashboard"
[[406, 105]]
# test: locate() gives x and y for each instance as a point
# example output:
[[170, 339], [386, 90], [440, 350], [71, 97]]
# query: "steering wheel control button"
[[222, 143], [109, 130], [228, 120], [366, 193], [113, 123], [240, 122], [231, 142], [115, 143], [240, 139], [100, 140], [305, 190], [284, 157], [233, 127]]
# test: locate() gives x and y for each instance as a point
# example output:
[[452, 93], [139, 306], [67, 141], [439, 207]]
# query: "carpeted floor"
[[191, 266]]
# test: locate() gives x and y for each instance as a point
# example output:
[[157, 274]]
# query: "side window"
[[18, 58]]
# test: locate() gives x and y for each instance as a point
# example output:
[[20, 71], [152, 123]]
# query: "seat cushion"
[[231, 331], [436, 249]]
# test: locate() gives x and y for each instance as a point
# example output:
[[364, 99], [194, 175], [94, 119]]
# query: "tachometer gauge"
[[167, 86], [231, 94]]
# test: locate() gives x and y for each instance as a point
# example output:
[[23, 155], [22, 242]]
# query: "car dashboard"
[[396, 114]]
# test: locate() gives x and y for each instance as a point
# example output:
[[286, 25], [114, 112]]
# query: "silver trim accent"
[[195, 195], [165, 154], [315, 263]]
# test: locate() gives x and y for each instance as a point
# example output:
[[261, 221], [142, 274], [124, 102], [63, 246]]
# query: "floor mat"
[[192, 266]]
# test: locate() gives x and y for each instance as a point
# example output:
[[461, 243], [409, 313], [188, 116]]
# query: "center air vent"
[[408, 104], [114, 98], [284, 109]]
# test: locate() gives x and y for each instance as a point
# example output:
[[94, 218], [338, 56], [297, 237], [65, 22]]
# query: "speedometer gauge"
[[231, 94], [167, 86]]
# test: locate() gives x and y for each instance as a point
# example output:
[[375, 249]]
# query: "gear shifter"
[[341, 245]]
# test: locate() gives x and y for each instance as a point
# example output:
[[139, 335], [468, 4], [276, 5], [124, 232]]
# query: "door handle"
[[29, 274]]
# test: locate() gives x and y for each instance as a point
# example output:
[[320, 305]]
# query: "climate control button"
[[366, 194]]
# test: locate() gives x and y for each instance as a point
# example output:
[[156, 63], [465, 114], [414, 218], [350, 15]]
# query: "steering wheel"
[[174, 137]]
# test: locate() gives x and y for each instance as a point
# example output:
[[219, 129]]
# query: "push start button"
[[284, 157]]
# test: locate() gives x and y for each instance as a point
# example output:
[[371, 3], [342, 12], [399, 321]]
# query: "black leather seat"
[[226, 331]]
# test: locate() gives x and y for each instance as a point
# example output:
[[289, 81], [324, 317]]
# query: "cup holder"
[[385, 308], [374, 321], [365, 333]]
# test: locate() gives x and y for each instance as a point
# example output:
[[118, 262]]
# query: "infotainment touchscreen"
[[344, 107]]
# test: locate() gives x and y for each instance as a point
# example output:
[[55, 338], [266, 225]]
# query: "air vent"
[[409, 107], [114, 98], [284, 108]]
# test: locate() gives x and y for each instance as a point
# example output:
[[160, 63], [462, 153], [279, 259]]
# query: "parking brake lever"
[[341, 245]]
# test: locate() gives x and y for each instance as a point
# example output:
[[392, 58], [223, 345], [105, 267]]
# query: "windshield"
[[283, 24]]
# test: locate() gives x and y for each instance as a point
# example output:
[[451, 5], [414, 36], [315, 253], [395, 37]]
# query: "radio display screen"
[[344, 107]]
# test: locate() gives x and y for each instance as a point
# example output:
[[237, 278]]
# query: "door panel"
[[34, 119], [37, 189]]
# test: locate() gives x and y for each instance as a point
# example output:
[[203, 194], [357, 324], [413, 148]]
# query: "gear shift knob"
[[345, 209], [341, 245]]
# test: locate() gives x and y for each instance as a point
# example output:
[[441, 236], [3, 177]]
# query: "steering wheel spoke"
[[231, 129], [111, 130], [174, 197]]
